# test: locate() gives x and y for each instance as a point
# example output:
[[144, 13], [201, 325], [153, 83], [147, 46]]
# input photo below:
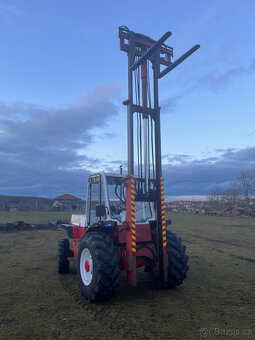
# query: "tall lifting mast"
[[146, 56]]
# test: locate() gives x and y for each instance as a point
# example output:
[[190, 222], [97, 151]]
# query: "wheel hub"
[[86, 266]]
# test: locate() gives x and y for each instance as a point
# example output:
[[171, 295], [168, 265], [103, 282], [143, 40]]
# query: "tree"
[[246, 185], [215, 197], [231, 195]]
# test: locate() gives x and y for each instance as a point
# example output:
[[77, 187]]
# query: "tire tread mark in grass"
[[105, 315], [229, 243], [247, 259]]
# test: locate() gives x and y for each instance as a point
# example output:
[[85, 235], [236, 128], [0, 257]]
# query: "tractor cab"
[[106, 200]]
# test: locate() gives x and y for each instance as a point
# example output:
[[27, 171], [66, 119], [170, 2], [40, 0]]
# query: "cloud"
[[198, 176], [43, 151], [185, 175], [250, 134], [169, 104], [40, 147], [216, 80], [213, 81]]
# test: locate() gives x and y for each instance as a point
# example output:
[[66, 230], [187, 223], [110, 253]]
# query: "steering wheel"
[[116, 209]]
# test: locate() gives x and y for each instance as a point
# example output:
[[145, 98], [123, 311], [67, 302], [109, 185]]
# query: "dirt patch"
[[21, 226], [238, 212]]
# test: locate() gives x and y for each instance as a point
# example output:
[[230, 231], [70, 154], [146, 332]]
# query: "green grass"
[[230, 232], [37, 303], [36, 217]]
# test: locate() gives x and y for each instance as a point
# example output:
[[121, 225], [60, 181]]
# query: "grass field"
[[216, 300]]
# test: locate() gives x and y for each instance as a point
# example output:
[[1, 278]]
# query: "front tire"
[[177, 259], [97, 266]]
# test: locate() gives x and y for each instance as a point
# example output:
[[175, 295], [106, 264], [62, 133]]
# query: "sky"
[[63, 79]]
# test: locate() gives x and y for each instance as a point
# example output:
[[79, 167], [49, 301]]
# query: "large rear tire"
[[63, 253], [97, 266], [177, 259]]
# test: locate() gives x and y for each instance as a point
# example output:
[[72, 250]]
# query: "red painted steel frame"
[[78, 233], [144, 253], [142, 41]]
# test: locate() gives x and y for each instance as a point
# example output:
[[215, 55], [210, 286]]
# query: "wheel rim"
[[86, 266]]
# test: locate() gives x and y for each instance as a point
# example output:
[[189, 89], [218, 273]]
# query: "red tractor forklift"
[[125, 225]]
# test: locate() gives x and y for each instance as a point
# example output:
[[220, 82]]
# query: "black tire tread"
[[107, 261], [177, 259], [63, 254]]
